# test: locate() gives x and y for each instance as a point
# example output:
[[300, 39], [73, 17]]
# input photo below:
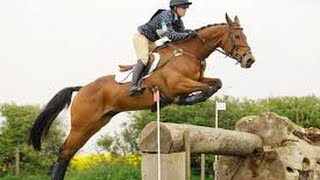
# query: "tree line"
[[304, 111], [14, 131], [14, 134]]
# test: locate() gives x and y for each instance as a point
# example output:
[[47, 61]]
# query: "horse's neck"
[[212, 37], [209, 38]]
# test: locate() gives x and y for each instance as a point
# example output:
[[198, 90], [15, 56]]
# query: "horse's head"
[[235, 43]]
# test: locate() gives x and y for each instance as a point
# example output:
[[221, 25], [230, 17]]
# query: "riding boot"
[[135, 86]]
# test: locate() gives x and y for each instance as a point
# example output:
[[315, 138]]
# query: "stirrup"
[[135, 91]]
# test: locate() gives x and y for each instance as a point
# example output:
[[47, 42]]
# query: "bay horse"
[[96, 103]]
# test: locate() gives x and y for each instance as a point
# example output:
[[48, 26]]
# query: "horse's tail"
[[43, 122]]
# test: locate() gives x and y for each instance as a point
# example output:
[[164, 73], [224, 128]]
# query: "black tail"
[[43, 122]]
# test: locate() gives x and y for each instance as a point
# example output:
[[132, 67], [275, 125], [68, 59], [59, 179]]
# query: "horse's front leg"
[[212, 85], [214, 82]]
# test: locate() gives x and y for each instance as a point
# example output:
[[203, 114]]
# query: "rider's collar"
[[175, 15]]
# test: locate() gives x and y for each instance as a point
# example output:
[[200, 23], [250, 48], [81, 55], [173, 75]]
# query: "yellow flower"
[[81, 161]]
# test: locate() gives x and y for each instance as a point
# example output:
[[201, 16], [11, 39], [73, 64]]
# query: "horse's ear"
[[236, 20], [229, 21]]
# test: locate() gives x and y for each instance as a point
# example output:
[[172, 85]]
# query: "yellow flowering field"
[[83, 161]]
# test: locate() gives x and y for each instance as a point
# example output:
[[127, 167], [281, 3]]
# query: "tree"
[[121, 144], [15, 133], [304, 111]]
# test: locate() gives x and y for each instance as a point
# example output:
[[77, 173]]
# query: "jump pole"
[[156, 98]]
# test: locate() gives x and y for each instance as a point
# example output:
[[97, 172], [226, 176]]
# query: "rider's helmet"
[[182, 3]]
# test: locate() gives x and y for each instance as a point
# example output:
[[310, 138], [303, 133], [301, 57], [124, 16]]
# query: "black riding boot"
[[135, 86]]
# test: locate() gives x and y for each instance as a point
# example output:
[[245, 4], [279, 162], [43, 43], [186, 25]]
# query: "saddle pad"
[[125, 77]]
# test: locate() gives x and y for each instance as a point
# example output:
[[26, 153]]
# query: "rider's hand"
[[191, 34]]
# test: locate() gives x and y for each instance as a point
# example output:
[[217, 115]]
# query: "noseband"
[[235, 46]]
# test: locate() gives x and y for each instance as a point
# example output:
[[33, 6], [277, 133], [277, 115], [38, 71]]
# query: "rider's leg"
[[135, 85], [141, 47]]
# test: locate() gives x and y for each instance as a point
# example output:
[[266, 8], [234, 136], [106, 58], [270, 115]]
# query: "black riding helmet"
[[182, 3]]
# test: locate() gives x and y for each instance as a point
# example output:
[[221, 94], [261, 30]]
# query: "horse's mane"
[[182, 40], [209, 25]]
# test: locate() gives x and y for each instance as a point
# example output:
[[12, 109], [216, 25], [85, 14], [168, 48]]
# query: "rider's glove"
[[191, 34]]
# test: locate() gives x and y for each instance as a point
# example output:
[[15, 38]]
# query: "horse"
[[179, 76]]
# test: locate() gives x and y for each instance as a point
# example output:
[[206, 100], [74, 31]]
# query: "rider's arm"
[[171, 33], [175, 35]]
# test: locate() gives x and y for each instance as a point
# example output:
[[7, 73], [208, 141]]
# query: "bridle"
[[231, 38], [235, 46]]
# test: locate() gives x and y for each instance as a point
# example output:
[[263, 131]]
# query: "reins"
[[231, 38], [234, 45]]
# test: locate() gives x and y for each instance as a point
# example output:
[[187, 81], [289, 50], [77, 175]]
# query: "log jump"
[[261, 147], [202, 140]]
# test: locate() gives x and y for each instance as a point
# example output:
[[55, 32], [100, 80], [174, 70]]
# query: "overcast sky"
[[46, 45]]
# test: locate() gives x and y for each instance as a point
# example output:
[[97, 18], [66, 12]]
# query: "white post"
[[216, 126], [203, 166], [156, 98], [219, 106], [216, 119]]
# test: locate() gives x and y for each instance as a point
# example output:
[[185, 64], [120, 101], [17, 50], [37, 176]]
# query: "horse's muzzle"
[[247, 60]]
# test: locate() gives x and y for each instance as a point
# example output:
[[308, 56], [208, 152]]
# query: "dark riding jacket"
[[176, 30]]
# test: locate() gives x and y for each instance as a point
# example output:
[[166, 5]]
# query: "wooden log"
[[202, 140], [288, 152]]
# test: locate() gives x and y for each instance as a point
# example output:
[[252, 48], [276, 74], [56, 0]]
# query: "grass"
[[25, 177], [114, 171], [106, 172]]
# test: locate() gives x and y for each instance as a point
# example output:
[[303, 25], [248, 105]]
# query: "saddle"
[[124, 68], [125, 71]]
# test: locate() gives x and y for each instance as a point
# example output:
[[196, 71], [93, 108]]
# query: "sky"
[[46, 45]]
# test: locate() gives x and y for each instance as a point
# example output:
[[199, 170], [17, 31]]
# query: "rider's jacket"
[[175, 27]]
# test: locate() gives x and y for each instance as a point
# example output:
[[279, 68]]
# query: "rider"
[[173, 28]]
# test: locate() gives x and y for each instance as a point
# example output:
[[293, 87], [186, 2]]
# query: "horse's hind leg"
[[80, 133]]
